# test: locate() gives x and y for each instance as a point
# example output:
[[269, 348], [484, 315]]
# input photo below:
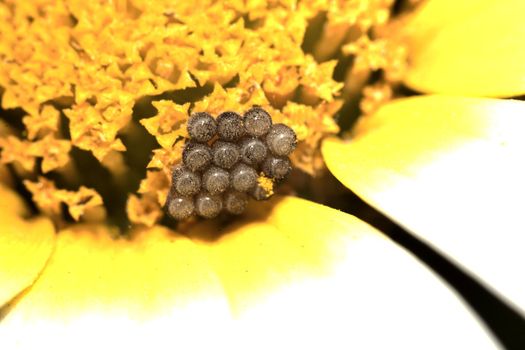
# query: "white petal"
[[450, 169]]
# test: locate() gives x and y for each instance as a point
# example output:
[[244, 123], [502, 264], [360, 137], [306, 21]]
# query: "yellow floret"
[[85, 72]]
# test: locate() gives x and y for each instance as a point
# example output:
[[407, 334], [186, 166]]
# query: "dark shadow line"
[[506, 324]]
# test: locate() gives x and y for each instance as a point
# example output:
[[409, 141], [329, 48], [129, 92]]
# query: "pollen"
[[264, 188]]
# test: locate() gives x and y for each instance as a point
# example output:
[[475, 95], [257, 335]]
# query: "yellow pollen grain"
[[267, 184]]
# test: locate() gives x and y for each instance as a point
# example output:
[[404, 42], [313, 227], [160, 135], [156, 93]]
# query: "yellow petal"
[[313, 277], [293, 273], [24, 246], [450, 170], [469, 47], [137, 292]]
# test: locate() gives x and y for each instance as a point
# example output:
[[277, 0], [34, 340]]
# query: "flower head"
[[116, 113]]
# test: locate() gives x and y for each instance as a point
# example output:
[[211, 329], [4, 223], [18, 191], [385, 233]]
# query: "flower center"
[[96, 112]]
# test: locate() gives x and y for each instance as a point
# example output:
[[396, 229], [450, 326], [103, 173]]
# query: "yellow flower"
[[96, 96]]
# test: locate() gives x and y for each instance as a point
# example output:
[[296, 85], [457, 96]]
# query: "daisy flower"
[[412, 105]]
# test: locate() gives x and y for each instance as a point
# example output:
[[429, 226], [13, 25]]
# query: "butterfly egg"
[[281, 140], [186, 182], [230, 126], [201, 127], [207, 205], [180, 208], [276, 167], [224, 175], [257, 122], [196, 156], [225, 154], [235, 202], [253, 151], [243, 177], [215, 180]]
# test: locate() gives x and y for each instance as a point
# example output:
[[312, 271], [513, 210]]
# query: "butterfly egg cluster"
[[227, 160]]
